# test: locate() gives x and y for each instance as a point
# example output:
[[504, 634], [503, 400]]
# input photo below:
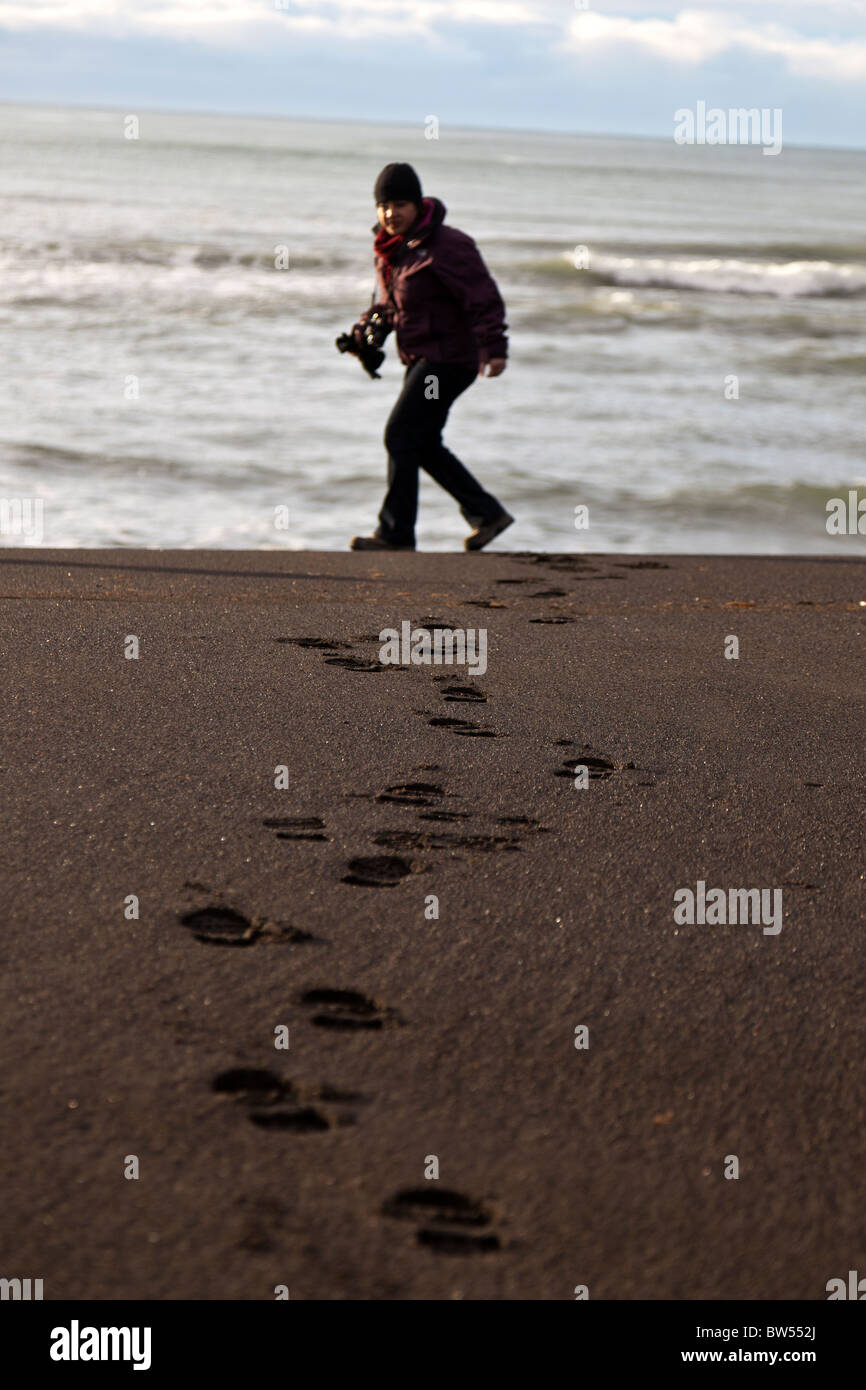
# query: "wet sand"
[[410, 1036]]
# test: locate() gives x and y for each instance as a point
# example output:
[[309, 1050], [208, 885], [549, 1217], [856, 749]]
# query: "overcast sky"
[[621, 67]]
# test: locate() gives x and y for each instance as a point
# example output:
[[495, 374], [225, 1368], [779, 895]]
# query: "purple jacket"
[[442, 300]]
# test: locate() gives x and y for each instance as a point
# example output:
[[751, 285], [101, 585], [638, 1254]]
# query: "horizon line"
[[353, 120]]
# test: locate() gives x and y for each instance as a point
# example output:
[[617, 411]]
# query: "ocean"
[[687, 332]]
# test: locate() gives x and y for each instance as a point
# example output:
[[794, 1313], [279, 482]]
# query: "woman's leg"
[[400, 508], [476, 504], [413, 438]]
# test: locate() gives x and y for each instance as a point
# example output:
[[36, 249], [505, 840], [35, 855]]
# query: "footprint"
[[220, 926], [464, 694], [449, 1222], [358, 663], [297, 827], [443, 815], [407, 839], [598, 769], [487, 842], [217, 925], [528, 822], [565, 563], [345, 1008], [464, 727], [411, 793], [318, 643], [251, 1083], [272, 1103], [431, 840], [549, 593], [483, 603], [552, 620], [641, 565], [380, 871]]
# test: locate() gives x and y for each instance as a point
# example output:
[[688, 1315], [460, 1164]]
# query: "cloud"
[[694, 37], [219, 20], [688, 37]]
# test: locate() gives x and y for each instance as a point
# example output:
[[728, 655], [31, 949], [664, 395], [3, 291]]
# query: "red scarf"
[[388, 248]]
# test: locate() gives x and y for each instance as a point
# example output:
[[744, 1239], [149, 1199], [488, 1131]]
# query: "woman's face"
[[396, 217]]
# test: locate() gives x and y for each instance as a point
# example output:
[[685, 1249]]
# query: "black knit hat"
[[398, 183]]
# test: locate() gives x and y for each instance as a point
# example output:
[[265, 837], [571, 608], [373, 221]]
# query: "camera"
[[368, 351], [376, 331]]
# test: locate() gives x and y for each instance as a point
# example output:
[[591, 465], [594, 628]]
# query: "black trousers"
[[413, 438]]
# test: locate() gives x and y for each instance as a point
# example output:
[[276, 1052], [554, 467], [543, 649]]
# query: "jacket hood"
[[433, 212]]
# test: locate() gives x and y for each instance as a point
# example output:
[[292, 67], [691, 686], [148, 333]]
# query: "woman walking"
[[437, 293]]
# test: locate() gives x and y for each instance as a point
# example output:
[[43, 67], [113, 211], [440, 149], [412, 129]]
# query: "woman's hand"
[[496, 366]]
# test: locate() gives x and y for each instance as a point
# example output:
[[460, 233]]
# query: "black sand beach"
[[602, 1166]]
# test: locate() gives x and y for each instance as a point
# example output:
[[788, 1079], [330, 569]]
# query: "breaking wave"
[[795, 279]]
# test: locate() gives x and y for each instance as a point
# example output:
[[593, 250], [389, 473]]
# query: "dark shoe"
[[375, 543], [487, 532]]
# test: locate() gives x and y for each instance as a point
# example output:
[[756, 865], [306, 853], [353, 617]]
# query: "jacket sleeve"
[[463, 272]]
